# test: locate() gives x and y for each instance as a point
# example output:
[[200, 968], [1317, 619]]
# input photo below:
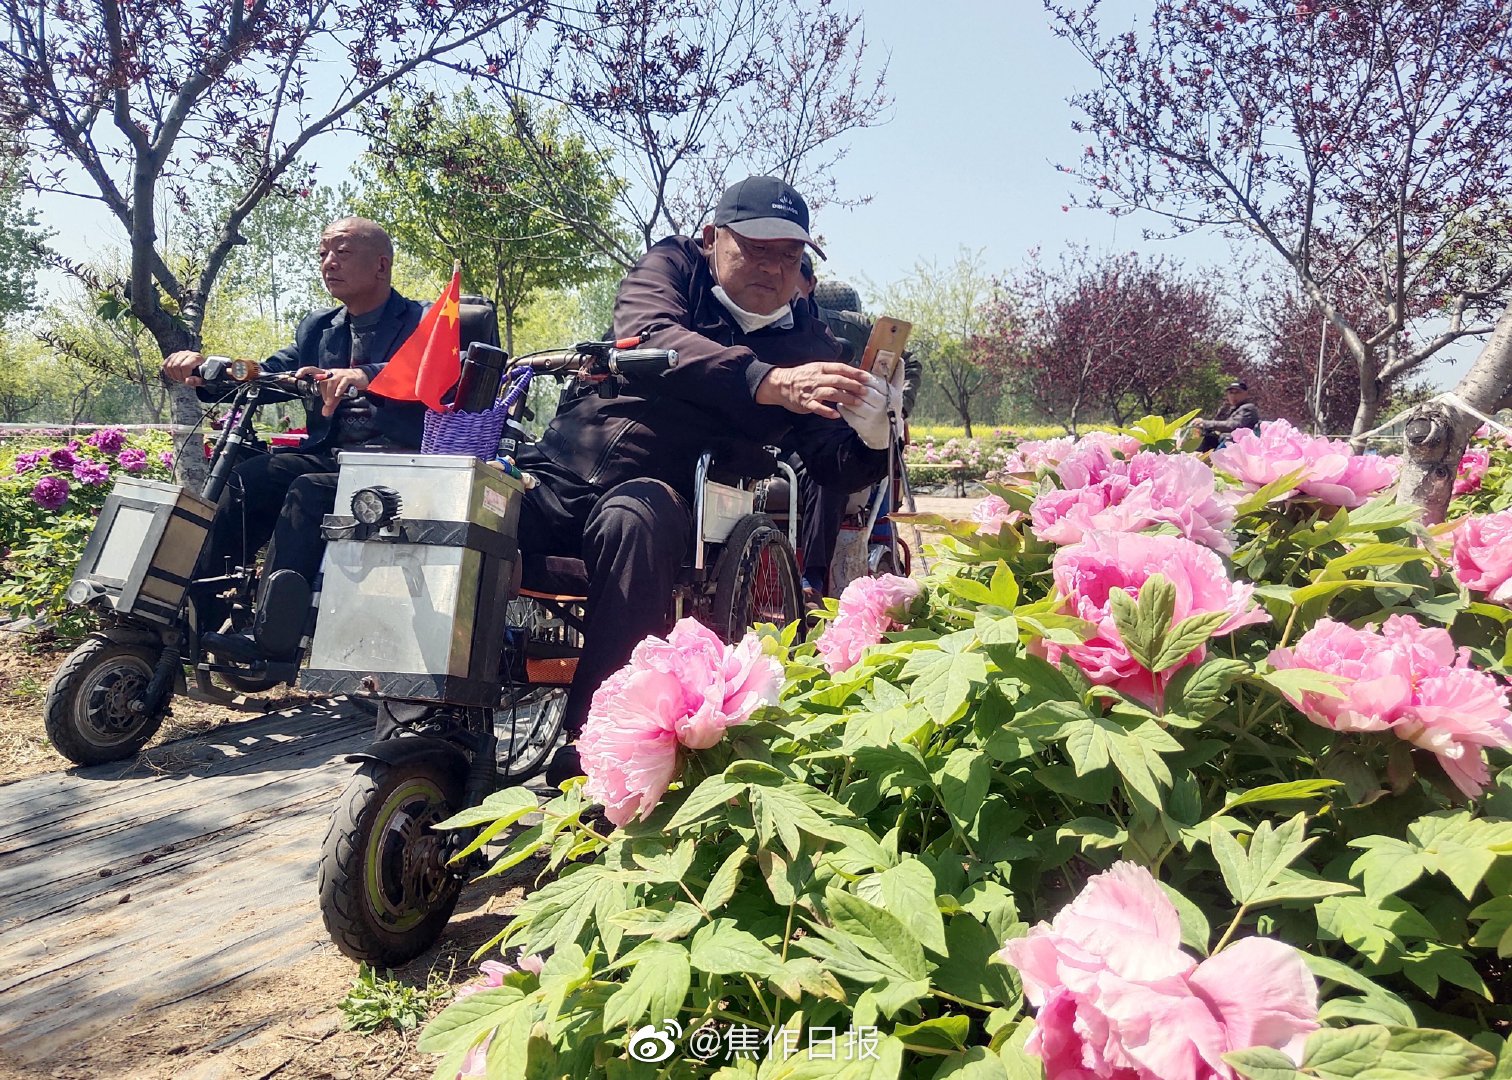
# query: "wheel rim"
[[532, 741], [105, 714], [406, 859], [770, 595]]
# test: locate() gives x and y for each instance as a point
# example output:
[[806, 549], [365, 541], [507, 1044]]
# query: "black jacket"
[[1244, 415], [659, 428], [324, 340]]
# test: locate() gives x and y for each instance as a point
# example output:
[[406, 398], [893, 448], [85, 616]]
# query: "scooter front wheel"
[[90, 711], [386, 892]]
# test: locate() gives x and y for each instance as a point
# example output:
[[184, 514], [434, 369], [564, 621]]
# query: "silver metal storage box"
[[412, 606], [142, 551]]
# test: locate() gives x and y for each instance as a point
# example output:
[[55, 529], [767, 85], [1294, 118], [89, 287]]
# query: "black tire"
[[88, 706], [755, 579], [386, 892], [536, 731]]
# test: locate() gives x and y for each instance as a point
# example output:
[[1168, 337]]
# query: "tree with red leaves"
[[1111, 337], [1366, 142]]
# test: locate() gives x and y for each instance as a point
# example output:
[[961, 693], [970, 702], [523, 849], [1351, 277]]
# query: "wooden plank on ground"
[[165, 879]]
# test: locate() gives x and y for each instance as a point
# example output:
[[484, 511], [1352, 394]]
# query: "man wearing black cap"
[[753, 368], [1238, 412]]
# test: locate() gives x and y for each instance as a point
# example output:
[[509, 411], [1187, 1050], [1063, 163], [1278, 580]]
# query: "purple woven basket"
[[476, 434]]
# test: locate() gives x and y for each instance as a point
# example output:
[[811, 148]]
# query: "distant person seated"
[[1238, 412], [822, 507], [284, 495]]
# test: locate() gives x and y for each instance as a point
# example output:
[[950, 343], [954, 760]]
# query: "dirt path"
[[160, 915]]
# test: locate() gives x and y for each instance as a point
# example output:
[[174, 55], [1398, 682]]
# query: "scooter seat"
[[553, 576]]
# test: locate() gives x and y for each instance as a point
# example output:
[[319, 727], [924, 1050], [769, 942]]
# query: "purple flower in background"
[[26, 462], [133, 460], [91, 473], [166, 457], [51, 492], [62, 458], [109, 439]]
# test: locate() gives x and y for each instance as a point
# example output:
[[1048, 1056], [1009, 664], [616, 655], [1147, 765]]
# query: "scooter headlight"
[[376, 505]]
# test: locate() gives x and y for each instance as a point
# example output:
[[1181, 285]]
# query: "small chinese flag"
[[429, 362]]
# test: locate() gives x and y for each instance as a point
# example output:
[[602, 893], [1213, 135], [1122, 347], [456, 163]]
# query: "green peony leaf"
[[659, 979], [1263, 1063], [978, 1063], [461, 1022], [908, 891], [878, 933], [1495, 931], [1296, 789], [726, 880], [1190, 633], [723, 948]]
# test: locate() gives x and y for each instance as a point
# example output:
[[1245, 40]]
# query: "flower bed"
[[1171, 771], [51, 490]]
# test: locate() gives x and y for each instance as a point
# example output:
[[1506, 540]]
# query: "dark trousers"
[[633, 539], [821, 509], [279, 497]]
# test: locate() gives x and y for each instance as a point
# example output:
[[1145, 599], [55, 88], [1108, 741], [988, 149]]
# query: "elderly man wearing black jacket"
[[285, 494], [617, 473], [1238, 411]]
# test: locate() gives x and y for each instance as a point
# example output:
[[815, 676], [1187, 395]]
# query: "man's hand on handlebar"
[[181, 367], [814, 388], [336, 384]]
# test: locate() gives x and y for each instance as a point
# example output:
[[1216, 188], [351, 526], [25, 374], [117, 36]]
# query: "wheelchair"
[[497, 638]]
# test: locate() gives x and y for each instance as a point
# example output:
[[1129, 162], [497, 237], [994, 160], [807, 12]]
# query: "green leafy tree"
[[452, 182], [947, 306], [20, 244]]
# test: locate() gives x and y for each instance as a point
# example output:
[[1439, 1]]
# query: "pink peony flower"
[[1102, 493], [133, 460], [681, 691], [1085, 575], [992, 513], [1331, 471], [1483, 555], [91, 473], [166, 457], [722, 685], [629, 744], [1472, 470], [1118, 999], [108, 439], [51, 492], [1408, 679], [869, 608]]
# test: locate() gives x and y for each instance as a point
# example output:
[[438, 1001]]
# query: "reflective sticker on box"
[[495, 500]]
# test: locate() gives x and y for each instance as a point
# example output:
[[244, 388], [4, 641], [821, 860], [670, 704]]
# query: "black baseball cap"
[[765, 208], [1237, 385]]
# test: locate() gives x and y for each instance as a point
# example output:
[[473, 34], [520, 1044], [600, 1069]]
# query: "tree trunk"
[[1369, 409], [1438, 432]]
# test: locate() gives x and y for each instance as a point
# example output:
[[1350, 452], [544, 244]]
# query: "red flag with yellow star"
[[429, 362]]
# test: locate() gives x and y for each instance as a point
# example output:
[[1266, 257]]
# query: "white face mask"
[[749, 321]]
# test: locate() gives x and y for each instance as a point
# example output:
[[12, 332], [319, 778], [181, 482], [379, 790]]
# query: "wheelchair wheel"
[[536, 729], [755, 579]]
